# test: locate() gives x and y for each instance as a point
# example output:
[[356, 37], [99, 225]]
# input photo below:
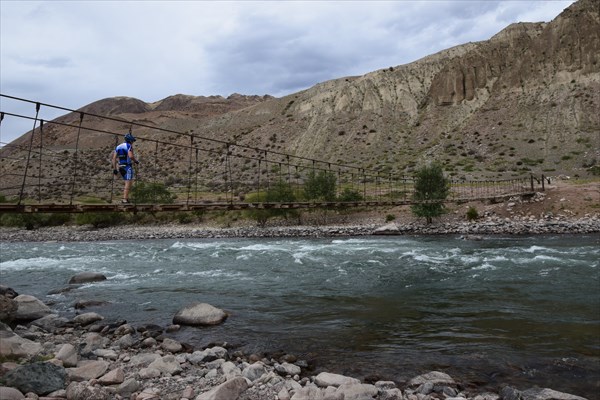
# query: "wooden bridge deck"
[[209, 206]]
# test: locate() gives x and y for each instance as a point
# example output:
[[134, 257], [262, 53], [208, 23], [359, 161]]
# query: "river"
[[519, 310]]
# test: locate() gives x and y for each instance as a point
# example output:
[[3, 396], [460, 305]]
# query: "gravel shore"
[[486, 226]]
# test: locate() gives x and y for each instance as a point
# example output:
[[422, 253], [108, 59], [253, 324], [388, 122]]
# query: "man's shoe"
[[125, 201]]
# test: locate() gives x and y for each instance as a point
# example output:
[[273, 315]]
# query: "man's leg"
[[126, 190]]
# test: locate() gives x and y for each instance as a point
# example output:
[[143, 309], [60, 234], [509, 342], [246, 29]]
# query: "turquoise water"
[[518, 310]]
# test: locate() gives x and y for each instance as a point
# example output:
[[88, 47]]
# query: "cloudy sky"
[[72, 53]]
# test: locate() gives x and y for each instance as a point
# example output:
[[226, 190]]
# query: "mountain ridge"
[[525, 100]]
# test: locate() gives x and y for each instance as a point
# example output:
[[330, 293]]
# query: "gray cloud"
[[73, 53]]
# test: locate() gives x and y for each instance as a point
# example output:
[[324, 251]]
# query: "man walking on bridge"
[[122, 160]]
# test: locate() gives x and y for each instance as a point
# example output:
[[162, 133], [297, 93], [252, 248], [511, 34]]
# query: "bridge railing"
[[43, 167]]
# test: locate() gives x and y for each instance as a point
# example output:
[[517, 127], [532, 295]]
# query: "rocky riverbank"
[[490, 225], [45, 356]]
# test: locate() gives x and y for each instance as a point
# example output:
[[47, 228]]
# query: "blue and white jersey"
[[122, 151]]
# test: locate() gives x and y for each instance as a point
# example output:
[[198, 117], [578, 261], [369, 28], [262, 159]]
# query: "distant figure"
[[121, 161]]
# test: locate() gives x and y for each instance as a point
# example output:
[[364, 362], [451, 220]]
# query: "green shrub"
[[390, 218], [34, 220], [472, 214], [99, 219], [148, 192], [350, 195]]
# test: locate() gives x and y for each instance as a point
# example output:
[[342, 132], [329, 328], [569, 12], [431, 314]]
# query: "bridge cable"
[[37, 111], [196, 178], [189, 185], [75, 161], [40, 163], [112, 182]]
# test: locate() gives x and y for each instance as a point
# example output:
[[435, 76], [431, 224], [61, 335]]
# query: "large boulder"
[[39, 378], [8, 309], [85, 277], [14, 346], [199, 314], [88, 369], [547, 394], [325, 379], [29, 308], [8, 393]]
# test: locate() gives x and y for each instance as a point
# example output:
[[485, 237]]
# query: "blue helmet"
[[129, 138]]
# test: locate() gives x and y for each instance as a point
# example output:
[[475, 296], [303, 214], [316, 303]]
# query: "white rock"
[[30, 308], [199, 314], [87, 318], [325, 379], [68, 355]]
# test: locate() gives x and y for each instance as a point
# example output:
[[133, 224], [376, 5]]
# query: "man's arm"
[[131, 156]]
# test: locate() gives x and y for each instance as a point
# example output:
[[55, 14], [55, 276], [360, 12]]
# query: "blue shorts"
[[126, 172]]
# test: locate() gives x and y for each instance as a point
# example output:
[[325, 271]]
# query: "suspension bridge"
[[54, 170]]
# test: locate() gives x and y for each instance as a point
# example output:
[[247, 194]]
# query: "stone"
[[124, 329], [188, 392], [308, 392], [106, 353], [166, 365], [82, 391], [254, 371], [114, 377], [8, 393], [435, 377], [8, 292], [360, 391], [171, 345], [128, 387], [94, 341], [8, 309], [199, 314], [39, 378], [547, 394], [207, 355], [149, 342], [87, 318], [230, 370], [149, 394], [288, 369], [51, 322], [68, 355], [325, 379], [125, 342], [30, 308], [88, 369], [149, 373], [143, 359], [86, 277], [14, 346], [229, 390]]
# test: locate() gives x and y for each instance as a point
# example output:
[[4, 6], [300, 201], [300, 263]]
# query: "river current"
[[521, 310]]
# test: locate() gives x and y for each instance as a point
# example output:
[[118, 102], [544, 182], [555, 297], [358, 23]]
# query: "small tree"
[[320, 186], [280, 192], [431, 189]]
